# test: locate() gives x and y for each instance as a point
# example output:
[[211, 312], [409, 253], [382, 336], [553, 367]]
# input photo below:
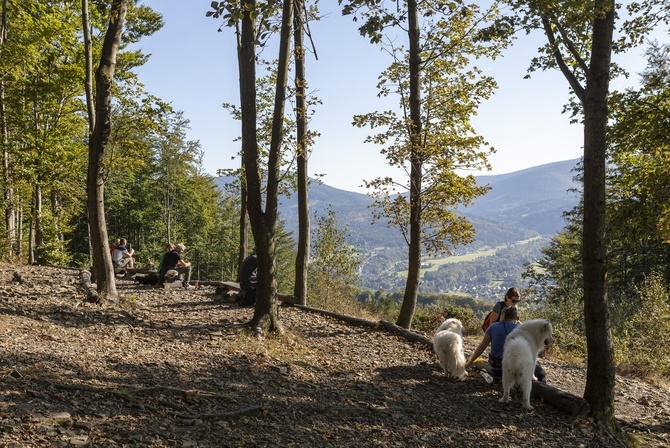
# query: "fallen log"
[[407, 334], [343, 317], [230, 286], [91, 292], [561, 400], [252, 411]]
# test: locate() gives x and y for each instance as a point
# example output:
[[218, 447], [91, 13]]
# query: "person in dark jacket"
[[173, 261], [248, 272]]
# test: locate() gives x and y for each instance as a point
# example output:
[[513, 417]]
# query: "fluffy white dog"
[[522, 347], [448, 346]]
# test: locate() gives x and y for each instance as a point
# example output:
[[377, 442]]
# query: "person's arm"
[[183, 263], [486, 340], [494, 317]]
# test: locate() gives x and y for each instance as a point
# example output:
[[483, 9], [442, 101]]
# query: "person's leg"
[[540, 374], [186, 270]]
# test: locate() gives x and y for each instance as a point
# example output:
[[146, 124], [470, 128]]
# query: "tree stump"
[[91, 292]]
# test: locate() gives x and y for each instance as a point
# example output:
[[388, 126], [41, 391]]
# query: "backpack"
[[487, 320]]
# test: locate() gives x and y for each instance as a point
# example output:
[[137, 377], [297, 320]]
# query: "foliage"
[[428, 318], [333, 271], [286, 248], [639, 215], [452, 89], [641, 341], [638, 267]]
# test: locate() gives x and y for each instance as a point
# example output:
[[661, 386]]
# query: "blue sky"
[[194, 67]]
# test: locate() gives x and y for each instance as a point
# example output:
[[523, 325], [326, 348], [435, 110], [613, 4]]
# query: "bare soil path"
[[177, 369]]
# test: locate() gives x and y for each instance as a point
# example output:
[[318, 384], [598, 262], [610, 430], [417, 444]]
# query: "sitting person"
[[496, 335], [116, 243], [173, 261], [122, 256], [248, 272], [169, 248]]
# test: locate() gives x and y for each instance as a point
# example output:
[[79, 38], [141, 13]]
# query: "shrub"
[[428, 318], [640, 343]]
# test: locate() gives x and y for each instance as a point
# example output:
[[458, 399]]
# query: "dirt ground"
[[178, 369]]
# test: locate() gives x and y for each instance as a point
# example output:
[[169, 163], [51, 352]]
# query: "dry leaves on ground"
[[178, 369]]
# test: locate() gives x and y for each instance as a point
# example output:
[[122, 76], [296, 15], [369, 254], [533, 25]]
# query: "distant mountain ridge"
[[534, 198], [520, 204]]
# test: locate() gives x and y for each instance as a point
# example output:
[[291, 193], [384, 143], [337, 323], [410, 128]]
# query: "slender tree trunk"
[[247, 67], [599, 391], [88, 83], [38, 256], [302, 257], [243, 249], [263, 224], [8, 192], [88, 89], [19, 231], [31, 238], [102, 260], [414, 263]]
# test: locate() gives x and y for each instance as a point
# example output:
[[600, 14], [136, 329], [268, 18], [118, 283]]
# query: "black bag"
[[150, 279], [249, 298]]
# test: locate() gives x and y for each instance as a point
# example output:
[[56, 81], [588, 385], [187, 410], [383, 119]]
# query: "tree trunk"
[[104, 76], [19, 231], [88, 84], [31, 240], [243, 249], [8, 193], [266, 317], [264, 224], [302, 257], [38, 247], [414, 263], [599, 391]]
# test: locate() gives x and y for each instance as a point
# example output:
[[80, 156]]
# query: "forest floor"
[[178, 369]]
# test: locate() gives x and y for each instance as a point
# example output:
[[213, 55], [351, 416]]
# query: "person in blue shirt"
[[495, 336]]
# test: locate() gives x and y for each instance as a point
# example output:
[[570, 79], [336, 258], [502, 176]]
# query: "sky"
[[194, 66]]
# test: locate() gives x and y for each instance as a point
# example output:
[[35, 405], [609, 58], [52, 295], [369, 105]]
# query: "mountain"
[[533, 198], [519, 205]]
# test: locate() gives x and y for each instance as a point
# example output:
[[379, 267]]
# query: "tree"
[[98, 141], [253, 18], [439, 89], [638, 219], [580, 44], [334, 270], [8, 191], [302, 257]]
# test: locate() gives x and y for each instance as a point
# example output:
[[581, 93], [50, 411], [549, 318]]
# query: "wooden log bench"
[[131, 272]]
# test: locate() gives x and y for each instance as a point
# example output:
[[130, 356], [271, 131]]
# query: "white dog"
[[522, 347], [448, 346]]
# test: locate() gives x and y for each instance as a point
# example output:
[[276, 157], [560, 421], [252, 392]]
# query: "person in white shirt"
[[123, 256]]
